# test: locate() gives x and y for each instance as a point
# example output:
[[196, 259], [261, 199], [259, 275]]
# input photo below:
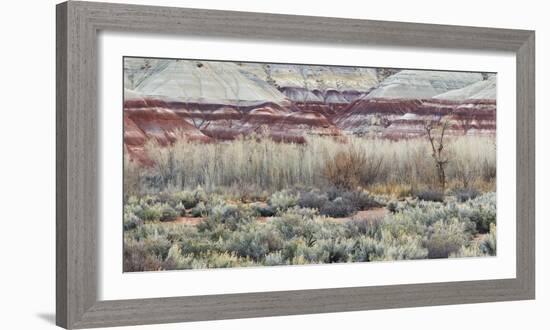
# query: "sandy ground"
[[187, 220], [372, 214]]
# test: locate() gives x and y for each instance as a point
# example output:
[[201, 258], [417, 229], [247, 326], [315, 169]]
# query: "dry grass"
[[387, 167], [345, 168]]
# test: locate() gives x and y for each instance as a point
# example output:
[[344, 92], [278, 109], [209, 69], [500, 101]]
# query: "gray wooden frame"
[[77, 152]]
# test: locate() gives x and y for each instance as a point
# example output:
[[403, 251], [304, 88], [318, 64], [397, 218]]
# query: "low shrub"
[[297, 223], [199, 210], [368, 249], [283, 200], [430, 195], [137, 259], [274, 259], [190, 199], [447, 237], [263, 209], [229, 215], [364, 227], [338, 208], [147, 254], [131, 221], [151, 212], [472, 250], [312, 200], [176, 260], [465, 194], [334, 192], [180, 209], [334, 250], [489, 243], [168, 213], [360, 199], [197, 245], [225, 260], [406, 247], [254, 241], [392, 206], [481, 211], [229, 236]]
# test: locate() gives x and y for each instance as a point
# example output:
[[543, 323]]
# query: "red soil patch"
[[370, 215], [263, 219], [187, 221]]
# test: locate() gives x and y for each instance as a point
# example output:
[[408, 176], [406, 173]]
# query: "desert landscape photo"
[[239, 164]]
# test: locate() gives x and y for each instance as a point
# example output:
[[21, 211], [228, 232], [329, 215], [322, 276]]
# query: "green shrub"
[[263, 209], [283, 200], [230, 236], [157, 246], [489, 243], [190, 199], [176, 260], [168, 213], [364, 227], [407, 247], [368, 249], [180, 209], [481, 211], [360, 200], [472, 250], [199, 210], [297, 223], [274, 259], [465, 194], [447, 237], [312, 200], [254, 241], [131, 221], [229, 215], [151, 212], [197, 246], [392, 206], [334, 250], [226, 260], [334, 192], [136, 258], [338, 208], [145, 255], [430, 195]]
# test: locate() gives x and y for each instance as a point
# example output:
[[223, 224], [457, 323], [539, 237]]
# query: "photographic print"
[[241, 164]]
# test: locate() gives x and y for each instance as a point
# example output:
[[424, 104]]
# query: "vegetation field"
[[256, 202]]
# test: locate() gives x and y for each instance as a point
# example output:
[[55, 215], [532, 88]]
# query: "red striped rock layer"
[[328, 102], [143, 122], [403, 118], [166, 121]]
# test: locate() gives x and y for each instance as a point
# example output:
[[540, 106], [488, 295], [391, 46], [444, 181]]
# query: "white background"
[[27, 243]]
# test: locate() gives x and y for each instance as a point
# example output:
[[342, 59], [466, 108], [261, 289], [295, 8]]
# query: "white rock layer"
[[485, 89], [418, 84]]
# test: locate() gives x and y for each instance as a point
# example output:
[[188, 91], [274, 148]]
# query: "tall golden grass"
[[259, 163]]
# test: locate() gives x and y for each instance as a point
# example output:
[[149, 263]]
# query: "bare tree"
[[437, 150]]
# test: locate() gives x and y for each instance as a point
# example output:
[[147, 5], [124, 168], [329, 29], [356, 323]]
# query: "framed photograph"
[[217, 165]]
